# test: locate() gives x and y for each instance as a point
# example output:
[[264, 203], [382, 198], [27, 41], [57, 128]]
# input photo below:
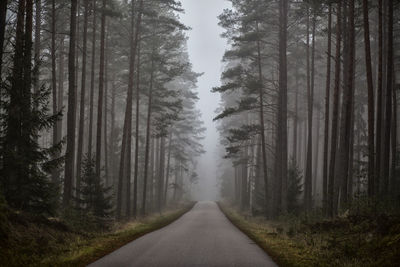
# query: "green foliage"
[[25, 172], [294, 188], [95, 198]]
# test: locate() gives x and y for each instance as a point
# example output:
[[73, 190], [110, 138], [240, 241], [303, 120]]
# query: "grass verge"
[[39, 244], [336, 242]]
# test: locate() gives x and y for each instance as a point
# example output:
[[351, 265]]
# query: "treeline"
[[309, 113], [97, 107]]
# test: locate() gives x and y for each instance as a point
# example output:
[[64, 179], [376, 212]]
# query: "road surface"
[[201, 237]]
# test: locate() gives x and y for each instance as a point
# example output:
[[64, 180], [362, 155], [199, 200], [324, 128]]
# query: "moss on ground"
[[39, 241], [346, 241]]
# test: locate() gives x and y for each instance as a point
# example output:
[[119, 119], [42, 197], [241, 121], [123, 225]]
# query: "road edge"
[[260, 242], [116, 243]]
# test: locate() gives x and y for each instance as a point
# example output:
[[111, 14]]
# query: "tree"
[[82, 100], [371, 109], [327, 112], [335, 112], [71, 116]]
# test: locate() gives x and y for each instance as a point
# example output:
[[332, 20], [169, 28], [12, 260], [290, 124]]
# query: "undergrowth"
[[29, 240], [349, 240]]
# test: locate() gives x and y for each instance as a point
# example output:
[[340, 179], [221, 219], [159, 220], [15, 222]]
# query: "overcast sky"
[[206, 49]]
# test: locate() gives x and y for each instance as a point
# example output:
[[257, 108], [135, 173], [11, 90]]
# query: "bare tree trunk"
[[342, 164], [148, 129], [56, 172], [371, 109], [136, 170], [160, 187], [3, 12], [262, 128], [61, 73], [38, 26], [282, 146], [105, 128], [296, 115], [134, 39], [91, 107], [83, 95], [167, 171], [335, 113], [327, 113], [389, 90], [393, 182], [71, 118], [101, 91], [310, 96], [379, 108]]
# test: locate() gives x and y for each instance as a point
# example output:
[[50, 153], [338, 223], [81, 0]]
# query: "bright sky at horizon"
[[206, 48]]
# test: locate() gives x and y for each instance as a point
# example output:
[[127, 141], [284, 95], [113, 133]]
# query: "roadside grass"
[[292, 241], [43, 242]]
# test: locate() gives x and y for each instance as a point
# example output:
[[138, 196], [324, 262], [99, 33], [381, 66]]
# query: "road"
[[201, 237]]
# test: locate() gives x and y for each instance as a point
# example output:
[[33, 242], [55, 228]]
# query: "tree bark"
[[389, 90], [55, 172], [91, 100], [3, 13], [335, 113], [148, 129], [38, 24], [310, 98], [342, 164], [327, 113], [282, 145], [82, 104], [262, 127], [379, 108], [71, 118], [371, 109], [101, 91], [134, 39]]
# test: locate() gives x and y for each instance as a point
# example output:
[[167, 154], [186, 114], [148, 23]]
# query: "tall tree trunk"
[[38, 24], [342, 164], [71, 118], [389, 90], [160, 187], [91, 100], [134, 39], [83, 95], [148, 129], [262, 128], [137, 134], [61, 72], [101, 91], [379, 108], [105, 128], [282, 144], [335, 113], [393, 174], [327, 113], [56, 172], [296, 115], [168, 167], [310, 97], [371, 109], [3, 13]]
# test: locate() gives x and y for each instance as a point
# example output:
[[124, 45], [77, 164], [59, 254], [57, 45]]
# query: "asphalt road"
[[201, 237]]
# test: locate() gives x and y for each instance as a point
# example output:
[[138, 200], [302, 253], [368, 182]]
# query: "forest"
[[309, 107], [101, 133]]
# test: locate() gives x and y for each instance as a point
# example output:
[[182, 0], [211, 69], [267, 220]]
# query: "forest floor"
[[28, 240], [345, 241]]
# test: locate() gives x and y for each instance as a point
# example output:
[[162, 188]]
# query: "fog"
[[206, 48]]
